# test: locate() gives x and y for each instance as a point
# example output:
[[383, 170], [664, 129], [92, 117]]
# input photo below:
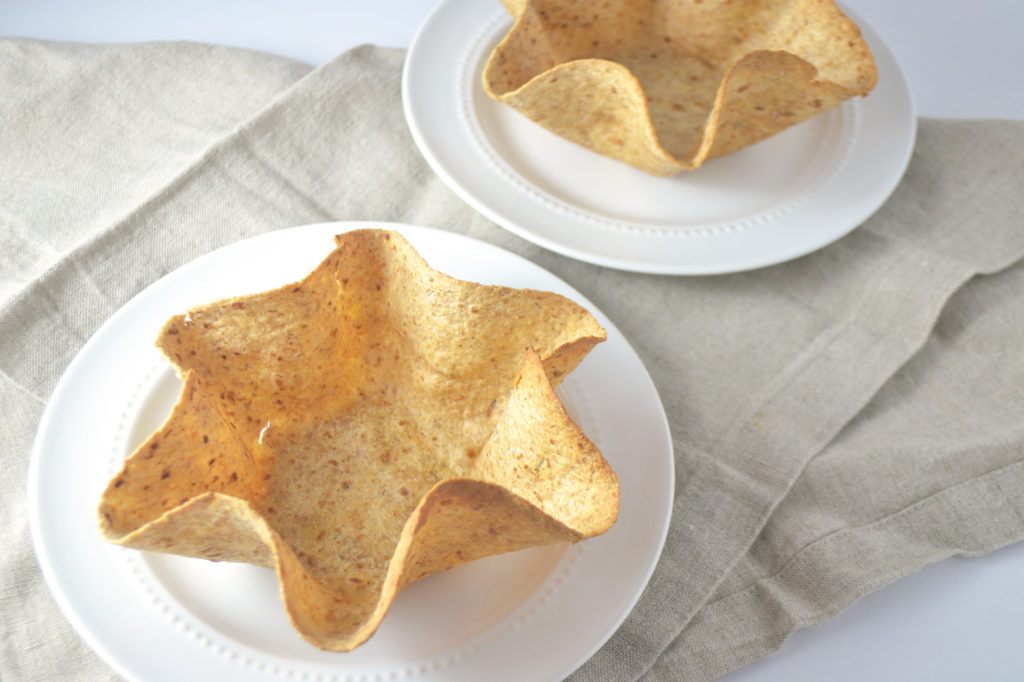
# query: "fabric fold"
[[975, 517], [808, 403]]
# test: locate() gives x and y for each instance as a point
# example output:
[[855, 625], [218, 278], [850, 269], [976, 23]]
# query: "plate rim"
[[41, 544], [456, 178]]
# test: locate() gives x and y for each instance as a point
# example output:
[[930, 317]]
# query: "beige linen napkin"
[[839, 421]]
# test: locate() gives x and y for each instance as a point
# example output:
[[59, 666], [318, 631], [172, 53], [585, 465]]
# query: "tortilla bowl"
[[363, 428], [665, 86]]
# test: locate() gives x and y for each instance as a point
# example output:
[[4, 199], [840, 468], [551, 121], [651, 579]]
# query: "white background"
[[964, 59], [962, 619]]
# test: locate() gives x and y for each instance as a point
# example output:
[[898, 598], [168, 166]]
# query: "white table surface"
[[962, 619]]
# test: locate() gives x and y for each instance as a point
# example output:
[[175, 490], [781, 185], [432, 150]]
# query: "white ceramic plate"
[[774, 201], [536, 614]]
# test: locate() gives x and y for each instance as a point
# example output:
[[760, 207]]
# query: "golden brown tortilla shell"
[[665, 86], [363, 428]]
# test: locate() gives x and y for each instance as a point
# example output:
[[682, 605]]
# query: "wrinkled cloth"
[[839, 421]]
